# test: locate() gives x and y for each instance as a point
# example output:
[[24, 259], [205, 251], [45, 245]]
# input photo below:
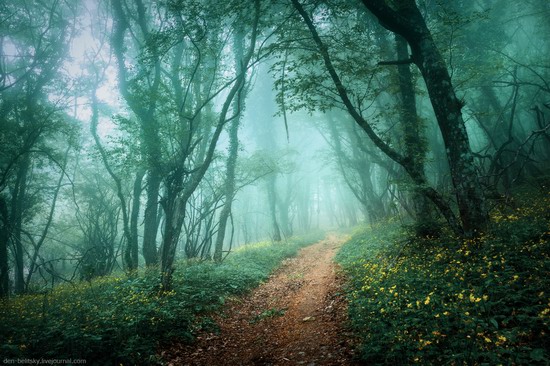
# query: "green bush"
[[452, 301], [122, 320]]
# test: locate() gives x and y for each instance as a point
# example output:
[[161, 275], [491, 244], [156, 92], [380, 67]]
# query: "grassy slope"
[[114, 320], [448, 301]]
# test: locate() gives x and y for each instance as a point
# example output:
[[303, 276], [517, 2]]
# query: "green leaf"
[[537, 354]]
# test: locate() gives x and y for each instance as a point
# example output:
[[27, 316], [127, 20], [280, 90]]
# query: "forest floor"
[[297, 317]]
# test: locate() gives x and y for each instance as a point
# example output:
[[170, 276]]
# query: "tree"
[[356, 164], [467, 189], [98, 219], [186, 169], [32, 121], [407, 21], [129, 228], [233, 151], [266, 143], [140, 90]]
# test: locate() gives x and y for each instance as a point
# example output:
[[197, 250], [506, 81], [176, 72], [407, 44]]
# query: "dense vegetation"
[[123, 319], [141, 142], [445, 300]]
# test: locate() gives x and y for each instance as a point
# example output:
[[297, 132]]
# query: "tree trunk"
[[132, 249], [231, 165], [174, 209], [4, 237], [408, 22], [284, 205], [272, 201], [415, 145], [18, 206], [229, 188], [144, 108], [150, 222], [303, 205]]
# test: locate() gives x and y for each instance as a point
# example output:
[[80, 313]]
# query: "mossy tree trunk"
[[413, 134], [406, 20]]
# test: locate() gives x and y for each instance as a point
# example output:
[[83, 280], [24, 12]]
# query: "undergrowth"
[[123, 320], [448, 301]]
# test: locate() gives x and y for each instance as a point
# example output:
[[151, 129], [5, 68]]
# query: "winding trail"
[[295, 318]]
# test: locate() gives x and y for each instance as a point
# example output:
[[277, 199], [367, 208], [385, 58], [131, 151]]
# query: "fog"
[[138, 134]]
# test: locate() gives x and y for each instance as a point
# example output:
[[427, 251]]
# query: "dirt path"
[[295, 318]]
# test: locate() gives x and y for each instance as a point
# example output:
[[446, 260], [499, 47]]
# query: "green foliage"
[[451, 301], [271, 313], [112, 320]]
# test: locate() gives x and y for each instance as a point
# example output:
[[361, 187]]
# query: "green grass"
[[123, 320], [447, 301]]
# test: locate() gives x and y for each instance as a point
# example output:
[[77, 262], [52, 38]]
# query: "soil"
[[297, 317]]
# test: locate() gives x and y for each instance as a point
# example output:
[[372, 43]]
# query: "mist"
[[139, 139]]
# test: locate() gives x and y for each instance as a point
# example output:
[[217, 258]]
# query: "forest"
[[275, 182]]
